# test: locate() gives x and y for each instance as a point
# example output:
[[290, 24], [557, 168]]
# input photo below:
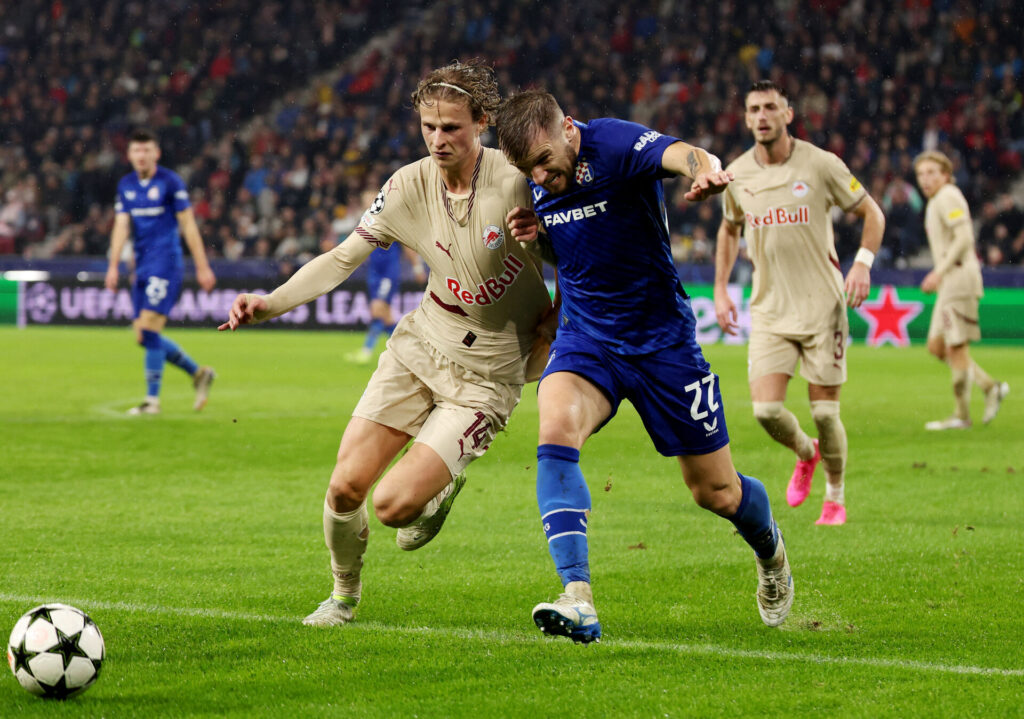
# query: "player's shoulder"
[[950, 193], [949, 200], [805, 152], [495, 164], [418, 172], [612, 132], [167, 173]]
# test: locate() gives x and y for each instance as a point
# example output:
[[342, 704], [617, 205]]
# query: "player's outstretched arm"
[[858, 279], [726, 251], [243, 310], [118, 236], [190, 231], [701, 166], [317, 277]]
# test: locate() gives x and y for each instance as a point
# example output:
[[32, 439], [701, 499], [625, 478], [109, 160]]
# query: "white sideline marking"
[[517, 638]]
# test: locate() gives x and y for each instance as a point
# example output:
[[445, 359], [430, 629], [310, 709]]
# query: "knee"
[[824, 412], [723, 500], [345, 491], [394, 510], [561, 426], [767, 411], [937, 347]]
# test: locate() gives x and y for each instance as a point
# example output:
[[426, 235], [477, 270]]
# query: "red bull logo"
[[494, 237], [780, 216], [491, 289]]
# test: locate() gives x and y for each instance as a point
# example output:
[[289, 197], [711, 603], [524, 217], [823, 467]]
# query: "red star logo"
[[888, 318]]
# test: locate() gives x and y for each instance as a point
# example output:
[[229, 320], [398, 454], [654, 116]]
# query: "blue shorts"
[[381, 286], [673, 390], [158, 293]]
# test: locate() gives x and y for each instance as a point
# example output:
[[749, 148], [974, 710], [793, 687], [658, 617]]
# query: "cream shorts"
[[822, 356], [451, 409], [955, 320]]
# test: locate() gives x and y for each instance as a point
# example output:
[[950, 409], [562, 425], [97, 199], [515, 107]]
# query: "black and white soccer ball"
[[55, 651]]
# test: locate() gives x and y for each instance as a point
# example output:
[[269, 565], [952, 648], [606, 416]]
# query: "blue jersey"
[[609, 230], [387, 262], [384, 272], [153, 205]]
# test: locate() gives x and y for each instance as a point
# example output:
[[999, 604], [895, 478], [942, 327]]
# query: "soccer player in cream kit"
[[455, 367], [626, 331], [956, 278], [781, 202]]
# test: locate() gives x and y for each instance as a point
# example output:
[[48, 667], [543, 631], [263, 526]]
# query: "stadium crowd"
[[278, 156]]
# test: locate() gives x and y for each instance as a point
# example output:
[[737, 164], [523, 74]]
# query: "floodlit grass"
[[195, 543]]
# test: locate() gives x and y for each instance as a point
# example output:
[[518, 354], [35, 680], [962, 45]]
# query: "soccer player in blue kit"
[[626, 331], [152, 206]]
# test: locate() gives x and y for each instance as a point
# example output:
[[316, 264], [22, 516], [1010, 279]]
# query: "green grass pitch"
[[195, 543]]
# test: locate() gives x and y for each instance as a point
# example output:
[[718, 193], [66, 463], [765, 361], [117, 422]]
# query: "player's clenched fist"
[[523, 223], [242, 311]]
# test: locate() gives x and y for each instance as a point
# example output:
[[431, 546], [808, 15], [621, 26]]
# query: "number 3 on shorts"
[[698, 395]]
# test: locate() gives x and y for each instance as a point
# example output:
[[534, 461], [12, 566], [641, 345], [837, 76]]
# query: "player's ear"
[[568, 126], [789, 114]]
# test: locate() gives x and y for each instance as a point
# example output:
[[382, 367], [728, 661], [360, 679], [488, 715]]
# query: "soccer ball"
[[55, 651]]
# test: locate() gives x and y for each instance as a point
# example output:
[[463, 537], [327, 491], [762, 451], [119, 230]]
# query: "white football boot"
[[201, 381], [993, 398], [332, 612], [422, 530], [150, 405], [571, 615], [774, 587], [939, 425]]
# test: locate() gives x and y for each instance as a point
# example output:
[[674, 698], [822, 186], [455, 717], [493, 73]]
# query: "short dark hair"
[[472, 82], [766, 86], [521, 117], [143, 134]]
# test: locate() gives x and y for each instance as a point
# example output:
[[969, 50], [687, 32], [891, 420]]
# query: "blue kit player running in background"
[[152, 205], [626, 331]]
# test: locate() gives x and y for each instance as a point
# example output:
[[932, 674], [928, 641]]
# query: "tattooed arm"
[[699, 165]]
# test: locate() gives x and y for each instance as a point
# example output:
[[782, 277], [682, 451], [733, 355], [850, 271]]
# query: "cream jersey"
[[485, 297], [947, 222], [785, 211]]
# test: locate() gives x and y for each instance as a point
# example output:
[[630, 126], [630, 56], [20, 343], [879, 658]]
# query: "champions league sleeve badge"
[[378, 204]]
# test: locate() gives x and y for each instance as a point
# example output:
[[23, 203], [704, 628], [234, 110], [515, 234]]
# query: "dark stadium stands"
[[279, 118]]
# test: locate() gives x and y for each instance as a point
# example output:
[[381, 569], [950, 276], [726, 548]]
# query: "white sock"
[[346, 536]]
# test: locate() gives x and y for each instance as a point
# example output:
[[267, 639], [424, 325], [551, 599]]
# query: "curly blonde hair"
[[472, 82]]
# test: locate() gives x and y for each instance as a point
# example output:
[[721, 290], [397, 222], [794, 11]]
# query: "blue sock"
[[154, 362], [177, 356], [754, 518], [375, 330], [390, 329], [564, 502]]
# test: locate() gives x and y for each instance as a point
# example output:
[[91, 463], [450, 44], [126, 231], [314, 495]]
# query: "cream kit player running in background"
[[454, 368], [781, 201], [957, 279]]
